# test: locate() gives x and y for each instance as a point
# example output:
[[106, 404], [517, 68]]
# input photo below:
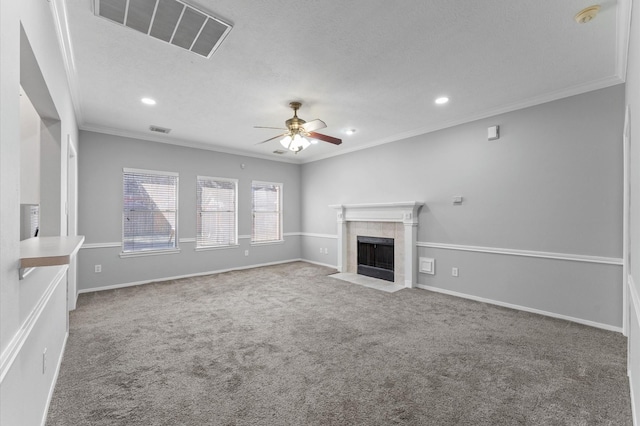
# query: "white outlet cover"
[[427, 265]]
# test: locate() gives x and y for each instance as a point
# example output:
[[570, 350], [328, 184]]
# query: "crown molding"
[[59, 10], [185, 143], [515, 106]]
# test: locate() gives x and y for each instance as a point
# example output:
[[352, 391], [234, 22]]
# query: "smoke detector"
[[587, 14]]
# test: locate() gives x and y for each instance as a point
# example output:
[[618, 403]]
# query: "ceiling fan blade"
[[263, 127], [325, 138], [270, 139], [312, 125]]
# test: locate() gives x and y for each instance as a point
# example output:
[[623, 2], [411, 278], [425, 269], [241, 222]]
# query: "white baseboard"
[[54, 381], [319, 263], [521, 308], [177, 277], [634, 301], [634, 409]]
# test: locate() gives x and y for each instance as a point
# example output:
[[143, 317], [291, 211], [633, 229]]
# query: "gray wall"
[[101, 160], [551, 183]]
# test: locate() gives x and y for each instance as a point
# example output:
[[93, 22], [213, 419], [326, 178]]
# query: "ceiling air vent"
[[172, 21], [159, 129]]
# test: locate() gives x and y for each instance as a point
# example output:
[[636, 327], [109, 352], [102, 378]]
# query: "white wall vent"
[[172, 21], [159, 129]]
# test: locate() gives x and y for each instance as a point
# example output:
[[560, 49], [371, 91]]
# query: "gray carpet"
[[288, 345]]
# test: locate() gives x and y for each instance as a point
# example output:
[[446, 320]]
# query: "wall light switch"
[[494, 133], [457, 199], [427, 265]]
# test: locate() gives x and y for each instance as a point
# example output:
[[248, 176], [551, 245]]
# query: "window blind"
[[267, 211], [216, 212], [150, 210]]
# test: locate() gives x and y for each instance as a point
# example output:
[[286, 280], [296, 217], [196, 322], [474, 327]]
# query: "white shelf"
[[49, 251]]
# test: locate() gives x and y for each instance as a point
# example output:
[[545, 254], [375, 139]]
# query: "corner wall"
[[101, 161], [540, 227], [33, 311], [633, 299]]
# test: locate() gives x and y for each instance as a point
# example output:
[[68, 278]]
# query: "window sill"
[[148, 253], [207, 248], [266, 243]]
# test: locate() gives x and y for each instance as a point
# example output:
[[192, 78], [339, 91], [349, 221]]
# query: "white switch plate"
[[457, 199], [493, 133], [427, 265], [454, 272]]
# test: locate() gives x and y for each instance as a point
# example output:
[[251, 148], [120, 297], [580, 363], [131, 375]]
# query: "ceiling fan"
[[299, 133]]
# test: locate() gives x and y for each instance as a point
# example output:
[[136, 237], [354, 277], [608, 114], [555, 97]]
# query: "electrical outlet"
[[44, 360], [454, 272], [246, 252], [320, 250], [98, 269], [326, 250]]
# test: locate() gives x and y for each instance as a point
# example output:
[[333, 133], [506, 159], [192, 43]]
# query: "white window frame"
[[280, 238], [200, 247], [151, 252]]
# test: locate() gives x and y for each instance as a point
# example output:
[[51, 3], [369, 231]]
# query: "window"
[[267, 212], [150, 211], [216, 212]]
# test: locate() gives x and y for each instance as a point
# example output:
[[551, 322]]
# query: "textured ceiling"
[[372, 65]]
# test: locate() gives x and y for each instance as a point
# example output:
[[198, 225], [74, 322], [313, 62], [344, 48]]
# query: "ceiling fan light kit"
[[587, 14], [301, 134]]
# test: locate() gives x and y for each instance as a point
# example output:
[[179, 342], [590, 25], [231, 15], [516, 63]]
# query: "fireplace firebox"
[[375, 257]]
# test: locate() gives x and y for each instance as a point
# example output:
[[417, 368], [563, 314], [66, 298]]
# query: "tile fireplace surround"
[[388, 220]]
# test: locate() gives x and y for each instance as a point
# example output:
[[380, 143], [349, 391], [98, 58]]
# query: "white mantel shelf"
[[49, 251], [405, 212]]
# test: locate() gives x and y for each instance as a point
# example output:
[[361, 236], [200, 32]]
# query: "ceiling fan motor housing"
[[294, 123]]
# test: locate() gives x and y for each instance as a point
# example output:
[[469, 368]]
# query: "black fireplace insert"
[[375, 257]]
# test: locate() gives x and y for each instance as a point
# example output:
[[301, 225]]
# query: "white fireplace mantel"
[[402, 212]]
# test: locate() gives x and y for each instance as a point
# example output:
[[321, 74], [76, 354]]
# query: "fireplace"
[[375, 257], [398, 221]]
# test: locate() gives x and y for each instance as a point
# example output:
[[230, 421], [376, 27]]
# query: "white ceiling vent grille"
[[172, 21]]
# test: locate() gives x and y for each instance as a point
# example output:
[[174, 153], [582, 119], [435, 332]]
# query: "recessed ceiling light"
[[350, 131], [442, 100], [148, 101]]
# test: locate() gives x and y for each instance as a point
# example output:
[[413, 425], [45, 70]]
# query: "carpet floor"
[[288, 345]]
